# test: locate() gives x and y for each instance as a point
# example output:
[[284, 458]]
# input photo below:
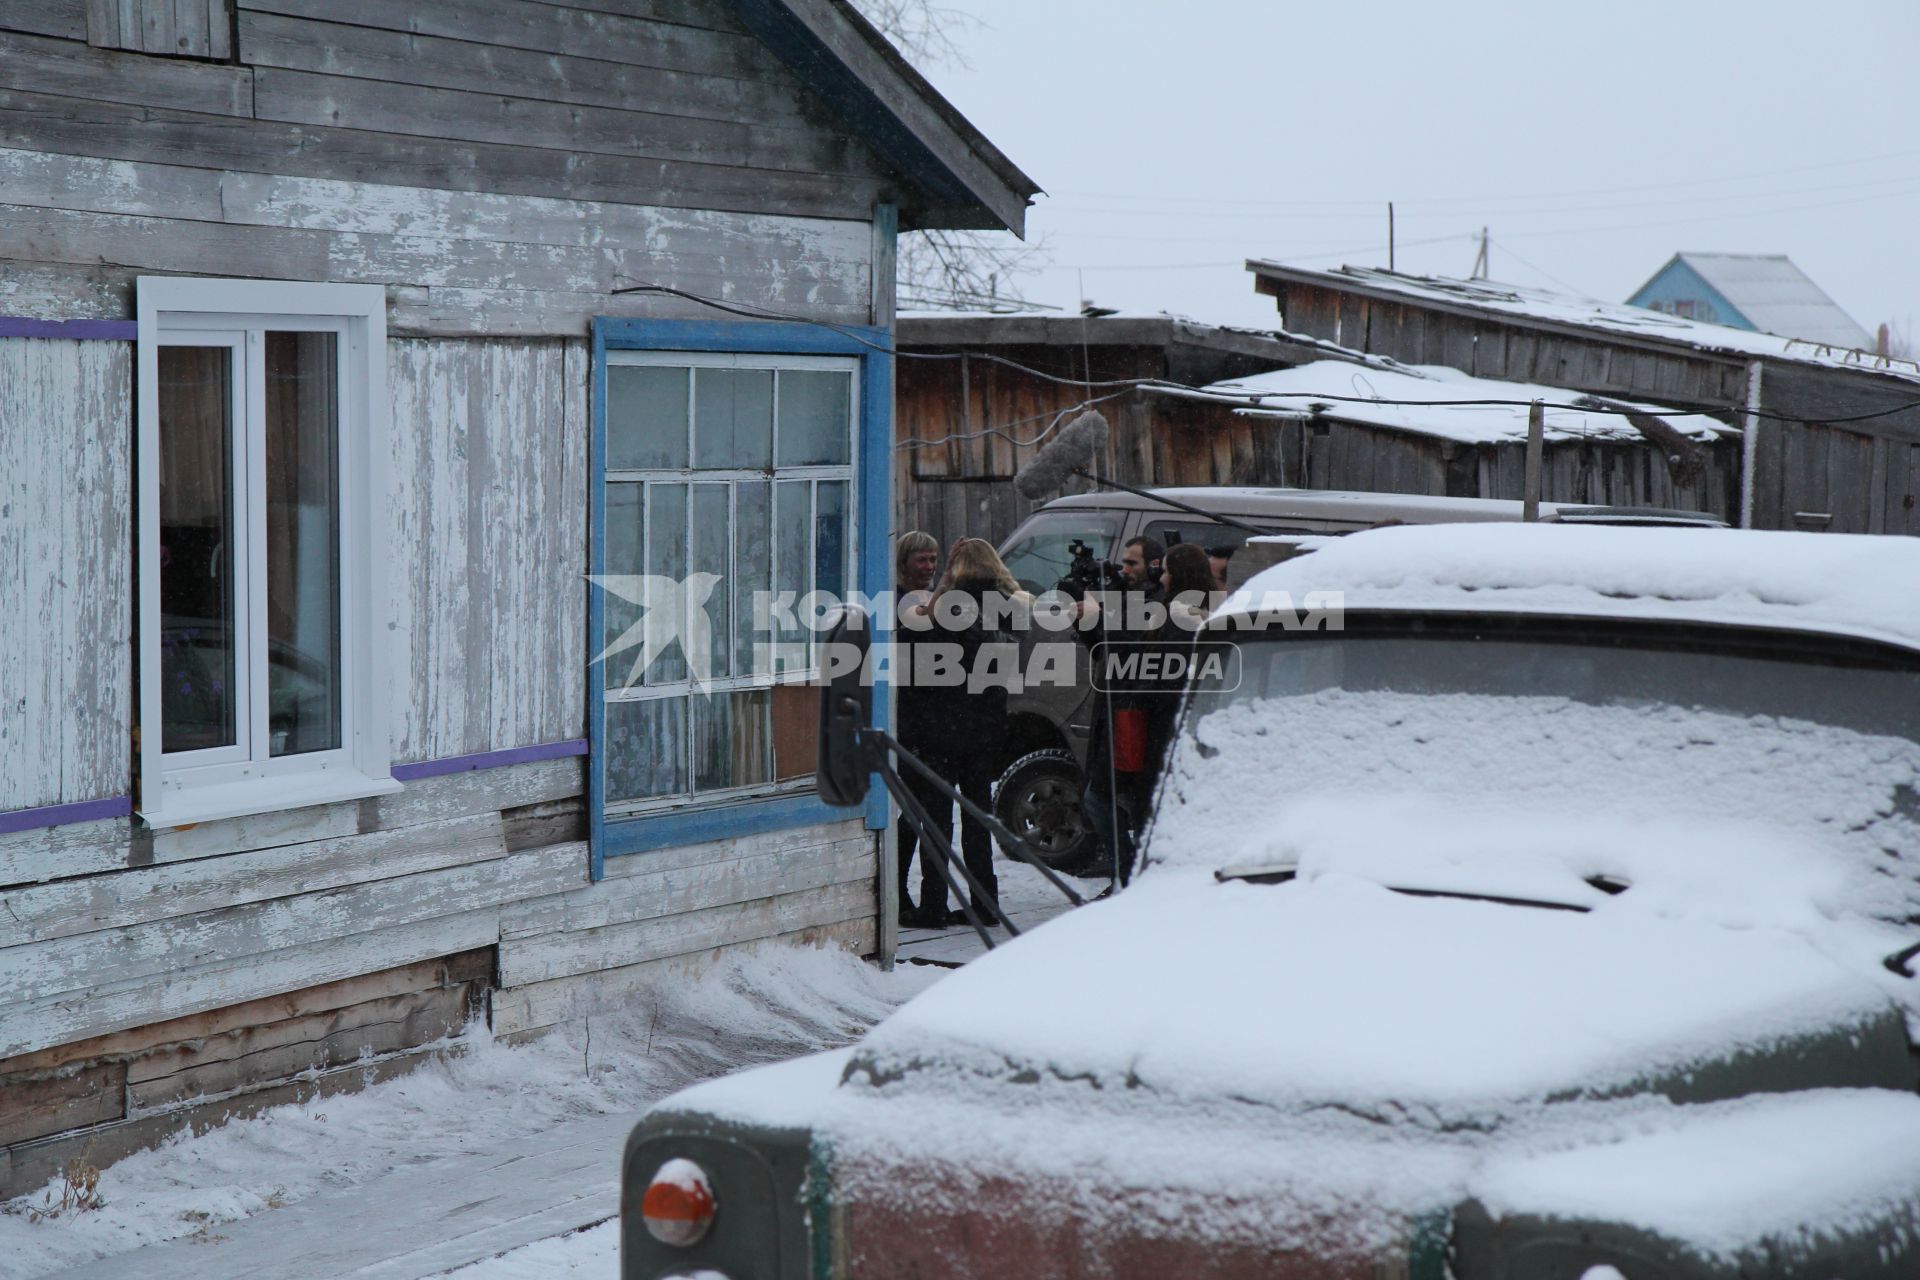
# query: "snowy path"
[[1024, 892], [460, 1210], [492, 1155]]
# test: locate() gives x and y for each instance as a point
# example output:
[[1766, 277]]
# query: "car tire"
[[1038, 799]]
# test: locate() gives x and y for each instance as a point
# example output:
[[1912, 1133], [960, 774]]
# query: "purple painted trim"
[[56, 815], [489, 759], [110, 330]]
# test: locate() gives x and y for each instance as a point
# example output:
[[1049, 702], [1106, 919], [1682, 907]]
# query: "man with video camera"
[[1120, 769]]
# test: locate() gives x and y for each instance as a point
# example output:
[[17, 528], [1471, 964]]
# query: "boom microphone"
[[1062, 457]]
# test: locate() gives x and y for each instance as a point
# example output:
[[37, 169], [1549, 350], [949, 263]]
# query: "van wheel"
[[1038, 798]]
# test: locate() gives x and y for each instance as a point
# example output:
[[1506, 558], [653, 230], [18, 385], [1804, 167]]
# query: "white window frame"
[[689, 475], [227, 782]]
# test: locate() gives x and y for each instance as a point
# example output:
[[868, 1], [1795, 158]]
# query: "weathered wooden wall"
[[77, 229], [1821, 472], [139, 961], [961, 482], [66, 605], [1488, 347], [1825, 469], [678, 102], [501, 167], [488, 544]]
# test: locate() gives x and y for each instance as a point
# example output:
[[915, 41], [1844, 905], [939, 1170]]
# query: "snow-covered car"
[[1550, 919]]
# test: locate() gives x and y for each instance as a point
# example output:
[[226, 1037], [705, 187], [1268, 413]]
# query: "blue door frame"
[[873, 464]]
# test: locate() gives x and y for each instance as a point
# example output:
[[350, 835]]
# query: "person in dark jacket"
[[967, 709], [1190, 592], [1115, 796], [916, 566]]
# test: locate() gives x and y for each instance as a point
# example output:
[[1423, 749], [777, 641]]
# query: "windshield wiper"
[[1605, 884], [1901, 961]]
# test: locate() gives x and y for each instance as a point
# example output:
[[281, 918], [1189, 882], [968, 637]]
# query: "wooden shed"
[[1374, 424], [1832, 434], [977, 392], [341, 344]]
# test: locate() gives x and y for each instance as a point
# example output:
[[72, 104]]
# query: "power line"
[[1214, 201], [1479, 208], [1573, 289]]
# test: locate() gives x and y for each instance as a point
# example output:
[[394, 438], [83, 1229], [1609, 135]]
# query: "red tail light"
[[678, 1207]]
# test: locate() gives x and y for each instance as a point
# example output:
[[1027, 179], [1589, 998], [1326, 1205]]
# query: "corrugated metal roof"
[[1777, 297]]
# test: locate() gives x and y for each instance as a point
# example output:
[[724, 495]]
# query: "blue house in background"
[[1758, 291]]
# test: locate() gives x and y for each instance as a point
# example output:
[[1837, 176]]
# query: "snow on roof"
[[1525, 303], [1301, 390], [1847, 584], [1777, 297]]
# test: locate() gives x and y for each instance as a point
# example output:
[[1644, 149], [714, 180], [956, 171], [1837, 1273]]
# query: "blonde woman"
[[966, 725]]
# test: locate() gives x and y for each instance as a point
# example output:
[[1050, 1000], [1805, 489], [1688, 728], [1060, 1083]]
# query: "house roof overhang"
[[957, 178]]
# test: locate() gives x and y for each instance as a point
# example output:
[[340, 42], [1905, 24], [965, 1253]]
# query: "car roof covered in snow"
[[1853, 585]]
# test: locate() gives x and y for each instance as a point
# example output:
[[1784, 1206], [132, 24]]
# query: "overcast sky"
[[1177, 138]]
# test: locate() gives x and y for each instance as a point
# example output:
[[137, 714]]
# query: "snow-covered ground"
[[749, 1009], [593, 1252]]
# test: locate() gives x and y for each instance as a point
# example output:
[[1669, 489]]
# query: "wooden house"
[[1831, 434], [1223, 406], [1763, 292], [341, 344]]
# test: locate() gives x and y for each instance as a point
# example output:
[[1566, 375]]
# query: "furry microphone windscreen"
[[1060, 457]]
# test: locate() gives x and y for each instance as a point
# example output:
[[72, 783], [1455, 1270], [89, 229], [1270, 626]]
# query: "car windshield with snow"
[[1550, 918]]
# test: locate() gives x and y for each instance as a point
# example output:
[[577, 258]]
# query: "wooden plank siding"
[[222, 943], [953, 476], [64, 19], [177, 28], [674, 106], [1815, 469], [49, 854], [455, 262], [1826, 467], [66, 509], [488, 544], [1514, 351], [504, 170], [580, 950]]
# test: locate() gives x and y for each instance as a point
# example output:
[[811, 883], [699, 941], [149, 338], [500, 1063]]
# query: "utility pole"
[[1389, 235], [1536, 440], [1480, 259]]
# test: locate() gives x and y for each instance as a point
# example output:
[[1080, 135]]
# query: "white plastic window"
[[262, 438]]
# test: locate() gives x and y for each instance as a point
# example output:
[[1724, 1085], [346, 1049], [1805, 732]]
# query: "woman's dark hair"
[[1187, 569]]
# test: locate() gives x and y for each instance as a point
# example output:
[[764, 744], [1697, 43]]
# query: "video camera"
[[1089, 573]]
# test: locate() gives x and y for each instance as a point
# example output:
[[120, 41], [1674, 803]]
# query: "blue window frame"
[[756, 468]]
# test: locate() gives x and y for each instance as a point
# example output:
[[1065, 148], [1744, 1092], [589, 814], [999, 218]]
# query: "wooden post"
[[1749, 443], [1536, 443], [886, 241]]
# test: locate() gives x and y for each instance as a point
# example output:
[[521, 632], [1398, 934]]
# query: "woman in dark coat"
[[964, 717]]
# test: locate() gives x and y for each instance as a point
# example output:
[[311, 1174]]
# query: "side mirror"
[[842, 767]]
